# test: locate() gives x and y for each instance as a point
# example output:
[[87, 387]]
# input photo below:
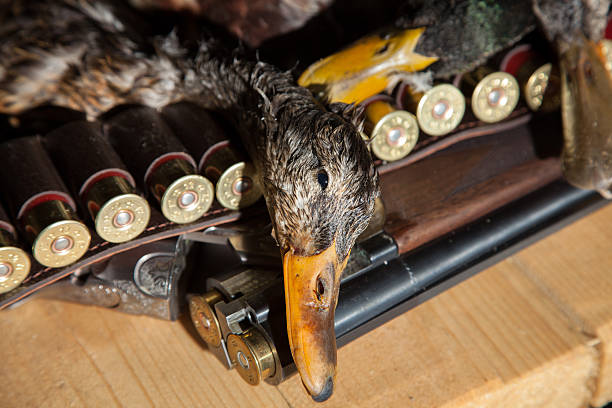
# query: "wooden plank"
[[59, 354], [495, 340], [506, 337], [577, 276]]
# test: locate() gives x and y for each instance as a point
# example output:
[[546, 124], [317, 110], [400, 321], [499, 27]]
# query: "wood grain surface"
[[533, 331]]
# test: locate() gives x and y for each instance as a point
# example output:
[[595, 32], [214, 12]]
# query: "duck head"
[[320, 185]]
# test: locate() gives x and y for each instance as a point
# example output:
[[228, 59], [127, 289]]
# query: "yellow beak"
[[311, 294], [365, 67]]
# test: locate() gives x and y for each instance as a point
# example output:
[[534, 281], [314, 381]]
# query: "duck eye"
[[323, 179]]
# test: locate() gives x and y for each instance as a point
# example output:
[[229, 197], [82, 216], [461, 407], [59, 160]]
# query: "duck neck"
[[255, 97]]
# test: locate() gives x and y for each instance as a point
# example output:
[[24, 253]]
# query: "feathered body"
[[81, 55], [430, 40], [464, 34]]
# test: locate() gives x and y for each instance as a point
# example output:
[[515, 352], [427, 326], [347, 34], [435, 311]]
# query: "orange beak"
[[311, 294]]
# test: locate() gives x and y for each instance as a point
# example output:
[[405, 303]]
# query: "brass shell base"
[[251, 355], [134, 206], [204, 318], [227, 193], [74, 231], [181, 214], [436, 123], [536, 87], [389, 146], [489, 109], [18, 264]]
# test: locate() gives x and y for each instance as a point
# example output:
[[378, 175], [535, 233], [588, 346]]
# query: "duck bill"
[[365, 67], [586, 95], [311, 294]]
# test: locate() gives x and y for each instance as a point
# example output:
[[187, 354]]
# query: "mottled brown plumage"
[[80, 55], [318, 177]]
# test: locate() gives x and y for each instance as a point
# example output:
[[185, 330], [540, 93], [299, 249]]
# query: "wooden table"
[[534, 330]]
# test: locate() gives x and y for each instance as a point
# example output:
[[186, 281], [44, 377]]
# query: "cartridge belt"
[[159, 228]]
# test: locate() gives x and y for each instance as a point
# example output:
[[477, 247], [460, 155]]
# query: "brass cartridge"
[[100, 179], [395, 132], [42, 206], [252, 355], [439, 110], [119, 213], [58, 237], [168, 172], [539, 79], [494, 94], [14, 262], [237, 184]]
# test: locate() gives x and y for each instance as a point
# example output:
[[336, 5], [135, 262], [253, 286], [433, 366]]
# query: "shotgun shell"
[[118, 213], [183, 196], [14, 267], [238, 186], [495, 96], [204, 318], [44, 119], [395, 132], [542, 89], [439, 110], [538, 79], [252, 355], [100, 179], [205, 137], [168, 171], [42, 205], [58, 237], [201, 133], [14, 262]]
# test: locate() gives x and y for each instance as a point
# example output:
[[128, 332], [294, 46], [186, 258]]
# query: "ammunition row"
[[105, 165], [395, 124]]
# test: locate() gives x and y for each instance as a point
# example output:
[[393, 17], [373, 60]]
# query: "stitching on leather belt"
[[105, 243]]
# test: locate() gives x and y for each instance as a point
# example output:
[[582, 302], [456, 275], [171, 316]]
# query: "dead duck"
[[319, 180]]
